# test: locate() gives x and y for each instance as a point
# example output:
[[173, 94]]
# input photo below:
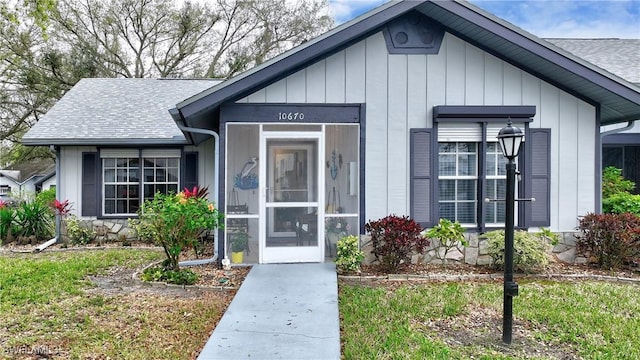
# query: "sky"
[[543, 18]]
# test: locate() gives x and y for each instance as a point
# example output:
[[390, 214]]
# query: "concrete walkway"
[[282, 311]]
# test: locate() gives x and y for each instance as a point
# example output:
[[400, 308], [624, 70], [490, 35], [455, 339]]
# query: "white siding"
[[455, 70], [568, 160], [51, 182], [376, 166], [397, 135], [315, 75], [355, 63], [586, 153], [336, 78], [474, 76], [400, 92], [206, 164], [70, 177]]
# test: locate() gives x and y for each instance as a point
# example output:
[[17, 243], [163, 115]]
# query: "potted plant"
[[239, 243]]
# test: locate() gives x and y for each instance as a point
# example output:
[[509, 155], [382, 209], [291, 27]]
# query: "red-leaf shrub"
[[612, 239], [394, 238]]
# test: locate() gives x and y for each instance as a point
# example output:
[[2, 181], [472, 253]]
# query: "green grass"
[[39, 279], [47, 302], [592, 320]]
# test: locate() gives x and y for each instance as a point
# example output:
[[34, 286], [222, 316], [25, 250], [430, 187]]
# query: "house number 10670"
[[290, 116]]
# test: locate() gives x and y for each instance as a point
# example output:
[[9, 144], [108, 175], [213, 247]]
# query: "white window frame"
[[155, 168], [496, 175], [457, 178], [117, 183], [141, 155]]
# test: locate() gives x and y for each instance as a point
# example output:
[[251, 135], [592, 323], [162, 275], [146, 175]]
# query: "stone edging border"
[[496, 276], [163, 285], [96, 248]]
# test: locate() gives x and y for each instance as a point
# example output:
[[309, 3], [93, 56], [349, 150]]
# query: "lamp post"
[[510, 139]]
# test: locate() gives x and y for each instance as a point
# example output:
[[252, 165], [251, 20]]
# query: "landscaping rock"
[[483, 247], [484, 260], [560, 248], [471, 255], [116, 228], [567, 256], [473, 241]]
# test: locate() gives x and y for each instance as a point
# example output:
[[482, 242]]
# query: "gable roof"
[[619, 100], [115, 112], [618, 56], [24, 171]]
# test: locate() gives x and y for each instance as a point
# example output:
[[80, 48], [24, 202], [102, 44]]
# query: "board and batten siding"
[[400, 92], [70, 176]]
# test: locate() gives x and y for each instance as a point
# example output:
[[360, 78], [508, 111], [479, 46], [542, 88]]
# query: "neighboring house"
[[23, 179], [621, 57], [46, 182], [395, 112]]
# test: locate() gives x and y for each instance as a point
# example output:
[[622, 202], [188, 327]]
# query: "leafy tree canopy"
[[46, 46]]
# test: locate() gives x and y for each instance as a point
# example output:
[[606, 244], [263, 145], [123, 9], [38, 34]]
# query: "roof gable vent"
[[413, 33]]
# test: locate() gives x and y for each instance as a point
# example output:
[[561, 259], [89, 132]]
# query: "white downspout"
[[216, 186]]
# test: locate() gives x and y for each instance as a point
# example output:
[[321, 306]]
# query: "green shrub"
[[161, 273], [7, 215], [78, 234], [621, 203], [34, 219], [613, 182], [46, 197], [446, 235], [529, 250], [144, 231], [610, 239], [349, 256], [175, 220], [394, 239]]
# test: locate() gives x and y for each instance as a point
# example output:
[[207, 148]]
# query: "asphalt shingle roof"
[[116, 111], [620, 57]]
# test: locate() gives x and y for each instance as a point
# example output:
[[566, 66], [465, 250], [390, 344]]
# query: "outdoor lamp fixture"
[[510, 140]]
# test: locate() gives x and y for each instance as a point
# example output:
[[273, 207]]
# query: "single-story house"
[[394, 112], [26, 178]]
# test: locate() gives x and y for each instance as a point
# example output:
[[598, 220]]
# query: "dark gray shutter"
[[90, 170], [190, 170], [540, 179], [422, 175]]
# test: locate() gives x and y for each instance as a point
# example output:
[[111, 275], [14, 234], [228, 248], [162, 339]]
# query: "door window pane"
[[243, 164], [342, 169]]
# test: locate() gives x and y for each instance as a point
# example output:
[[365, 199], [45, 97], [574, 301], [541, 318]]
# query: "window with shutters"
[[462, 156]]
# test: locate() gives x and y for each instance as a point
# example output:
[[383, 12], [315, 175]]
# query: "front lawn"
[[49, 307], [568, 320]]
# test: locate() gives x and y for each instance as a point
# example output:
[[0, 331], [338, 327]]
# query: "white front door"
[[291, 205]]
